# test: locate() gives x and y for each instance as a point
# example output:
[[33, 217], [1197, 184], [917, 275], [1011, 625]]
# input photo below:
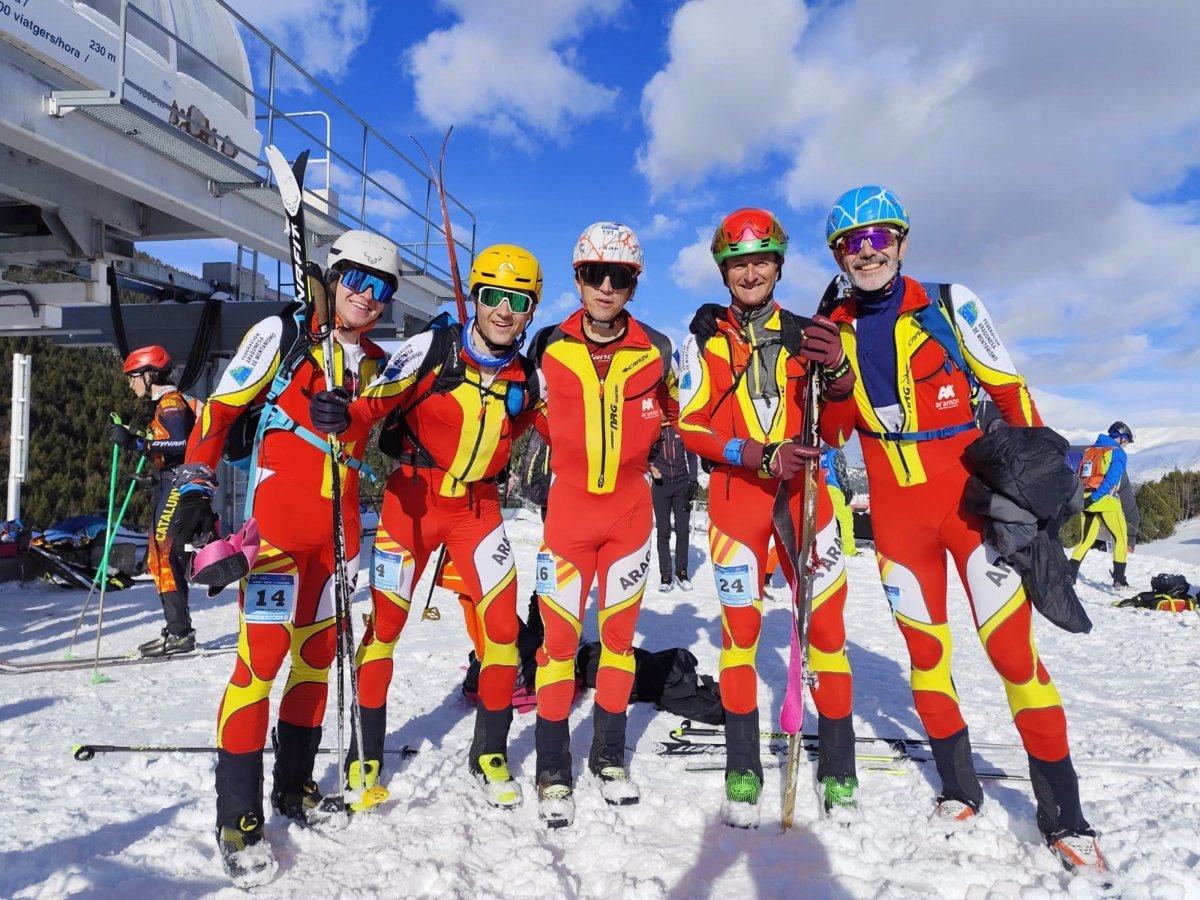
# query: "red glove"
[[821, 343]]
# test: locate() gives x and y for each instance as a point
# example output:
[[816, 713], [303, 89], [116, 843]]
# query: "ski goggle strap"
[[492, 296], [359, 280], [621, 277]]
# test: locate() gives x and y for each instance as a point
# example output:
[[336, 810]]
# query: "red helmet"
[[148, 359], [748, 230]]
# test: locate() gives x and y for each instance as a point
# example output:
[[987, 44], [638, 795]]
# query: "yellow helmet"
[[507, 266]]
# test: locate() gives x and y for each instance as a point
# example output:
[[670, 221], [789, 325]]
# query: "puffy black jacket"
[[1024, 489]]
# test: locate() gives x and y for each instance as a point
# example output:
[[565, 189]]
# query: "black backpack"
[[667, 679], [1171, 585]]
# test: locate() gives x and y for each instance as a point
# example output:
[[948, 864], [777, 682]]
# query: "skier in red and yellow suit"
[[286, 605], [913, 414], [461, 395], [742, 400], [606, 382]]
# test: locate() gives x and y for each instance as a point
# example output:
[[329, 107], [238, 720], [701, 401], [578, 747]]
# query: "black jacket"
[[1024, 489], [669, 456]]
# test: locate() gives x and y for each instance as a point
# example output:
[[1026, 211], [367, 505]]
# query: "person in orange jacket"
[[919, 351], [457, 396], [747, 370], [148, 370], [607, 383]]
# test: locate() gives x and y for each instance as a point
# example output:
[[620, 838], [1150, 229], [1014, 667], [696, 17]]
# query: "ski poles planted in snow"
[[109, 536]]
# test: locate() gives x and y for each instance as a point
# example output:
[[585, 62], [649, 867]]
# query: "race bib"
[[270, 599], [733, 585], [385, 570], [546, 574]]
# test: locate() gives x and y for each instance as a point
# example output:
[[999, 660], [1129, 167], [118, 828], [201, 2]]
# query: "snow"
[[141, 825], [1183, 545]]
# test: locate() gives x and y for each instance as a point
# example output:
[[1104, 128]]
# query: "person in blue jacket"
[[1100, 470], [837, 480]]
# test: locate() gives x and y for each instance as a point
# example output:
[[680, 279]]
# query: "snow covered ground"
[[141, 824]]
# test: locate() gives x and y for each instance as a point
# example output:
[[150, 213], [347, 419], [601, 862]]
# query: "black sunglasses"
[[621, 277]]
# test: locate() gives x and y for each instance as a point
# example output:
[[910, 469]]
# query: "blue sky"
[[1047, 152]]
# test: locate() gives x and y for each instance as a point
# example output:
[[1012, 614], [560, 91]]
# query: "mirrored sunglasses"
[[359, 280], [619, 276], [491, 297], [879, 238]]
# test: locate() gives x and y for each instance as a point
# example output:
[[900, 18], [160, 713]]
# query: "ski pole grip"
[[84, 752]]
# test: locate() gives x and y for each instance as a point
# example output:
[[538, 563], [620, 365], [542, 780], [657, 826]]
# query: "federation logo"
[[969, 313], [240, 374]]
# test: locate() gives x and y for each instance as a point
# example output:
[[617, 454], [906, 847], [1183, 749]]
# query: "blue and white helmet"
[[870, 204]]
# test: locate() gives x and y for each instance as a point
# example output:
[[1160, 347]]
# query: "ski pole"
[[435, 175], [432, 613], [98, 678], [108, 542], [86, 752]]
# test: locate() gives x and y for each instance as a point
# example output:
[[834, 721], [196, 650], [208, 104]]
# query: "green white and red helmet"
[[748, 230]]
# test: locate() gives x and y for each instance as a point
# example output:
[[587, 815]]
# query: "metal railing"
[[359, 161]]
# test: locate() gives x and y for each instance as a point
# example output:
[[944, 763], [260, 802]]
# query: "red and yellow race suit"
[[915, 466], [602, 410], [453, 442], [286, 605], [746, 383]]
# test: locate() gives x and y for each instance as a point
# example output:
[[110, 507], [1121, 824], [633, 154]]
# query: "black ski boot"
[[294, 793], [556, 801], [245, 853], [1118, 575], [167, 644], [607, 758]]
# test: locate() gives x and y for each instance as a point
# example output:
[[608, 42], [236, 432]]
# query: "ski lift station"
[[131, 121]]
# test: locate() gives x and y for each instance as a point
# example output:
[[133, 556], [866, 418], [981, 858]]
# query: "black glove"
[[192, 521], [693, 490], [124, 438], [783, 459], [704, 322], [330, 410]]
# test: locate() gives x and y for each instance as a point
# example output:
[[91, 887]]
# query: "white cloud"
[[694, 270], [321, 35], [554, 309], [1033, 145], [660, 226], [510, 67]]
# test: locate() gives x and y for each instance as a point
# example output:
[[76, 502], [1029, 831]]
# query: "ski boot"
[[1074, 564], [294, 793], [488, 759], [838, 792], [167, 644], [556, 801], [245, 853], [607, 759], [962, 794], [1079, 852], [742, 806], [1118, 575]]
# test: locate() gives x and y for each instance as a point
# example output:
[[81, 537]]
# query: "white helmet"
[[365, 249], [609, 242]]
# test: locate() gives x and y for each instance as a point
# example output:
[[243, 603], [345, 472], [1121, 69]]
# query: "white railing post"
[[18, 442]]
